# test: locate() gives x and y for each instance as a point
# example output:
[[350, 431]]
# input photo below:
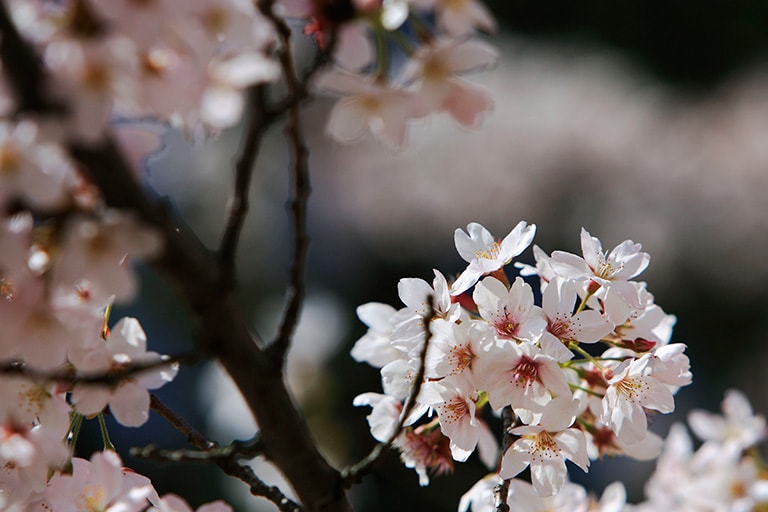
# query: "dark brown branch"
[[210, 452], [108, 378], [501, 491], [353, 474], [257, 122], [301, 189], [235, 450], [22, 69], [195, 273]]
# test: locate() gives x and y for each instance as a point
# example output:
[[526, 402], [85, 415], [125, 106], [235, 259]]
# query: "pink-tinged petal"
[[487, 446], [467, 104], [559, 413], [657, 396], [414, 293], [548, 476], [736, 406], [130, 405], [632, 261], [515, 460], [552, 376], [477, 238], [553, 347], [488, 295], [466, 280], [648, 448], [172, 503], [569, 265], [347, 122], [90, 400], [573, 443], [590, 326], [215, 506], [153, 379], [470, 55], [517, 240], [376, 315], [591, 248], [706, 425], [127, 337], [614, 498]]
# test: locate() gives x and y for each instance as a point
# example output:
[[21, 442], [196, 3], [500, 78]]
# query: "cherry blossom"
[[736, 430], [129, 400], [485, 254], [546, 446], [98, 484]]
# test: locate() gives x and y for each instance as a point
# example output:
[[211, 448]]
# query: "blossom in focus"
[[546, 446], [485, 254]]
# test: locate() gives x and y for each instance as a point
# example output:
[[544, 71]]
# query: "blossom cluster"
[[181, 62], [59, 276], [398, 61], [580, 371], [725, 473]]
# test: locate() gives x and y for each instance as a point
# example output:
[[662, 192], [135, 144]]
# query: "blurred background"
[[640, 119]]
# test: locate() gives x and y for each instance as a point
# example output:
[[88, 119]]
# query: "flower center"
[[491, 252], [526, 372], [461, 357], [506, 327], [630, 388], [545, 444]]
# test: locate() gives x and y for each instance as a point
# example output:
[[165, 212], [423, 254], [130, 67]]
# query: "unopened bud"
[[638, 344]]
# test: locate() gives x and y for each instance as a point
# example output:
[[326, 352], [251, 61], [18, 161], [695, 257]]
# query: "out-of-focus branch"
[[22, 69], [258, 120], [301, 189], [211, 452], [107, 378], [195, 272], [353, 474], [235, 450]]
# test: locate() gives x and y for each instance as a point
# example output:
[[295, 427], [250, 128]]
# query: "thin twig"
[[195, 272], [107, 378], [256, 124], [235, 450], [228, 464], [352, 474], [301, 189]]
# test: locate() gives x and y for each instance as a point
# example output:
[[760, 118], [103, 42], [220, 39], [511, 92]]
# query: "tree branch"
[[353, 474], [195, 273], [301, 189], [257, 123], [107, 378], [210, 452], [501, 491], [22, 69]]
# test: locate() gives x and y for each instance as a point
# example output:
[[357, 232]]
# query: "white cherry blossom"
[[129, 400], [546, 446], [485, 254]]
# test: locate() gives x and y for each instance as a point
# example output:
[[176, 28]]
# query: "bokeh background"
[[638, 119]]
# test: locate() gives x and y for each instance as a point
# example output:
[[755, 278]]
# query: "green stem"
[[575, 346], [75, 422], [105, 434], [588, 391], [382, 55], [583, 302]]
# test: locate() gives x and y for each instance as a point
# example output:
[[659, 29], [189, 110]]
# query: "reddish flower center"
[[526, 372]]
